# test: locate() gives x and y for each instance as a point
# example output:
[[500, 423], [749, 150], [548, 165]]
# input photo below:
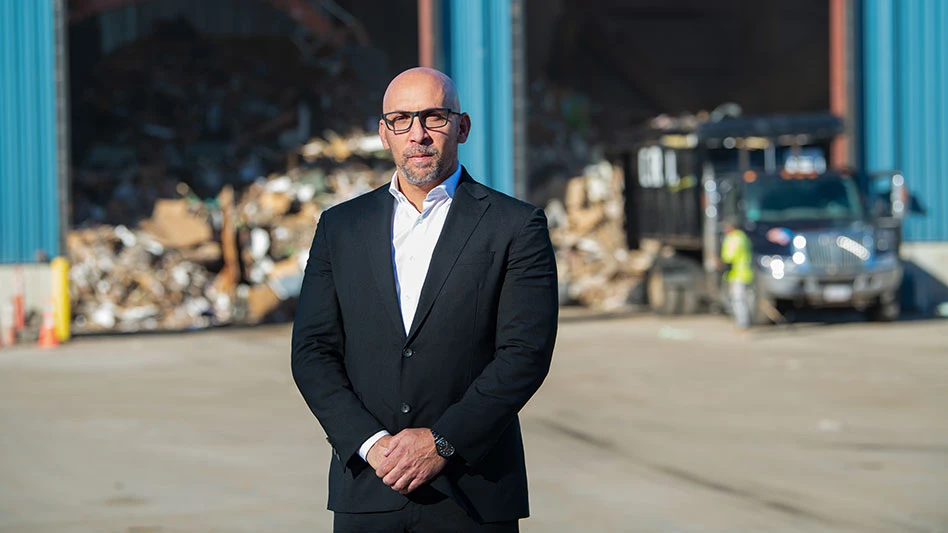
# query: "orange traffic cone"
[[47, 337]]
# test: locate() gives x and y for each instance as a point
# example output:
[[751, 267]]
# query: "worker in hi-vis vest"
[[736, 252]]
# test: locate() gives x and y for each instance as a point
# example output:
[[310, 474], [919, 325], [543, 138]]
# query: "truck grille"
[[830, 253]]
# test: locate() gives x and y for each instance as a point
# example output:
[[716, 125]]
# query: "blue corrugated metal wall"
[[29, 217], [479, 59], [905, 99]]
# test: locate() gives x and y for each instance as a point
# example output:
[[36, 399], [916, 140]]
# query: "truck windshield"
[[827, 197]]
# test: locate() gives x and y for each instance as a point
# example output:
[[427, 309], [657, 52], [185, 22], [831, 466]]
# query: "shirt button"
[[406, 408], [407, 352]]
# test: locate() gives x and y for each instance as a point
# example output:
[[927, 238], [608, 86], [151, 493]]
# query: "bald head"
[[417, 84], [425, 153]]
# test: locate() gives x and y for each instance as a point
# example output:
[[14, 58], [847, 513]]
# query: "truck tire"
[[662, 298], [886, 309], [690, 301]]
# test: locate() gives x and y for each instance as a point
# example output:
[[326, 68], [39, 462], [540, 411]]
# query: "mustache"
[[420, 151]]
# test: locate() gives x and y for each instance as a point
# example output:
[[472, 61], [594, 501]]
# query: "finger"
[[392, 444], [417, 482], [394, 475], [383, 470], [388, 463], [403, 483]]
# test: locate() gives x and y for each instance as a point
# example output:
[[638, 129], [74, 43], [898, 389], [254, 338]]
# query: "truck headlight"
[[777, 265]]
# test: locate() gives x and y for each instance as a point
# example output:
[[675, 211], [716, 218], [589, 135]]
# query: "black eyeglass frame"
[[412, 114]]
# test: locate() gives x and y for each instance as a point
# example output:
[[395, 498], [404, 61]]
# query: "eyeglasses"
[[433, 118]]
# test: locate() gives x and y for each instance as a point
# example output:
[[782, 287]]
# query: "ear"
[[464, 127], [382, 135]]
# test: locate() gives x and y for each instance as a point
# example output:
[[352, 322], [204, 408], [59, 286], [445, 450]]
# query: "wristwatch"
[[444, 448]]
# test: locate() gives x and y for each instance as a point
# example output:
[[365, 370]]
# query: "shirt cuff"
[[367, 445]]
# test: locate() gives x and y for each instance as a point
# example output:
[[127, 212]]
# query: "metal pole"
[[839, 86], [63, 150], [521, 167], [425, 33]]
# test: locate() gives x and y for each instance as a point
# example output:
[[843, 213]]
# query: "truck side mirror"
[[898, 196]]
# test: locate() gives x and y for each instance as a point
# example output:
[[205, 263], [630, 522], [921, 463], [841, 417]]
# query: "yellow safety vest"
[[736, 250]]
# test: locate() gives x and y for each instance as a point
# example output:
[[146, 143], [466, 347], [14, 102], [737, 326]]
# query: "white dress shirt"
[[414, 236]]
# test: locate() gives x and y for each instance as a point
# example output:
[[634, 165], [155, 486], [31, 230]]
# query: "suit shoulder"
[[358, 206], [507, 203]]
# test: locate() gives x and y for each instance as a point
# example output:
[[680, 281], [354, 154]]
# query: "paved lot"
[[643, 425]]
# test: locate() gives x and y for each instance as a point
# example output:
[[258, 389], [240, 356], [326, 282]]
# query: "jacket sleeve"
[[317, 355], [526, 331]]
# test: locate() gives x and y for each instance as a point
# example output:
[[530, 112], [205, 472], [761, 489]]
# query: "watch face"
[[444, 448]]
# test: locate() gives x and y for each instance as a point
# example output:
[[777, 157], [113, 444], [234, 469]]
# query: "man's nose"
[[417, 133]]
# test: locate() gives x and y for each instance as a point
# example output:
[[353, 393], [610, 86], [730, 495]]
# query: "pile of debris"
[[235, 258], [596, 268], [239, 257]]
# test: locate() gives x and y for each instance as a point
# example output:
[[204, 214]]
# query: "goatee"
[[422, 176]]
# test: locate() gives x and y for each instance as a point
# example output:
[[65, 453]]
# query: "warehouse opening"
[[220, 127]]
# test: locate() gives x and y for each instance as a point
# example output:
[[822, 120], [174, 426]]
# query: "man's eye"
[[400, 117]]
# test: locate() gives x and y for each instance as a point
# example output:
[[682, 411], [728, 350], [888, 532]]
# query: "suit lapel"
[[377, 230], [467, 208]]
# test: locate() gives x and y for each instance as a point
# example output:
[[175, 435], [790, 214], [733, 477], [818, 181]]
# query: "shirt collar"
[[446, 188]]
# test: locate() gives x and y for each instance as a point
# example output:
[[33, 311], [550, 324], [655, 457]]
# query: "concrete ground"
[[644, 424]]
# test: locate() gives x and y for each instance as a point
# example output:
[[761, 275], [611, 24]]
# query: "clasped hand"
[[407, 460]]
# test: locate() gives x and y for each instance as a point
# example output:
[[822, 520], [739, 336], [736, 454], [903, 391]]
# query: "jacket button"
[[407, 352], [406, 408]]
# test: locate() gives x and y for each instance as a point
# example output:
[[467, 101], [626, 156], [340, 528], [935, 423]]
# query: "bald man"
[[426, 321]]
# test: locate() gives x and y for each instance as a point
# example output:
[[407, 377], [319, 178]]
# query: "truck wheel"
[[690, 301], [887, 309], [662, 298]]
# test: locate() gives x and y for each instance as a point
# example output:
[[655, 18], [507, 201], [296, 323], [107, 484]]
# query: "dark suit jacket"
[[479, 347]]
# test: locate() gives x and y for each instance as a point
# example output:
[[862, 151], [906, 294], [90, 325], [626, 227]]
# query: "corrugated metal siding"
[[238, 17], [479, 57], [29, 217], [905, 83]]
